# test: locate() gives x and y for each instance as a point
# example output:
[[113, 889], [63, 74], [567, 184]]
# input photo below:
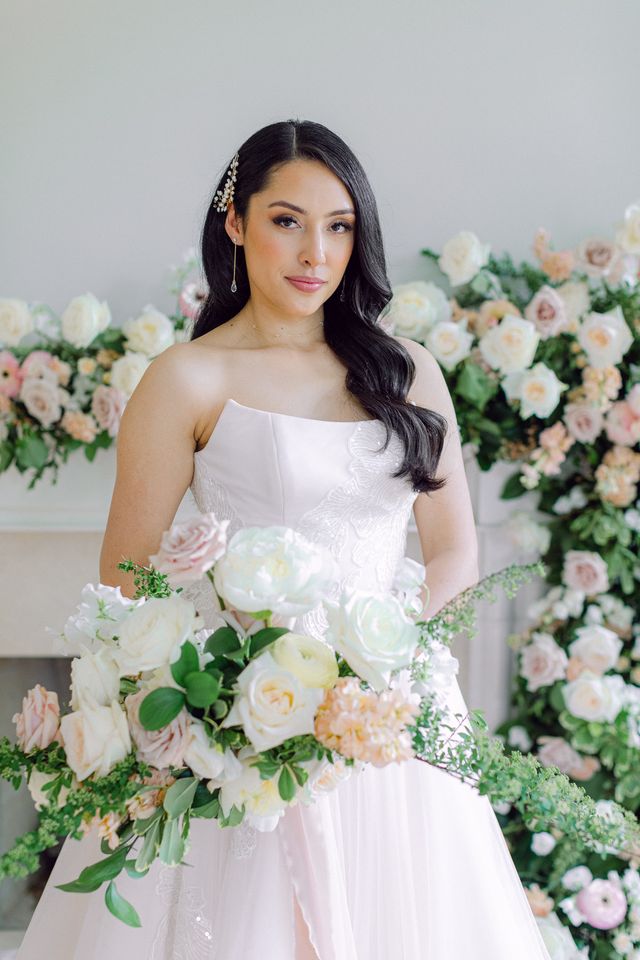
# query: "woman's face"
[[301, 225]]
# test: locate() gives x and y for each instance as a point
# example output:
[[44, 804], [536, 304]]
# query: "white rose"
[[558, 939], [597, 647], [150, 333], [576, 299], [537, 389], [206, 759], [95, 676], [152, 635], [519, 738], [307, 658], [542, 661], [260, 798], [449, 343], [595, 698], [15, 321], [416, 307], [511, 345], [585, 571], [231, 769], [463, 256], [36, 782], [41, 397], [628, 234], [273, 568], [84, 319], [527, 534], [542, 843], [372, 633], [576, 878], [271, 704], [605, 337], [95, 738], [128, 371]]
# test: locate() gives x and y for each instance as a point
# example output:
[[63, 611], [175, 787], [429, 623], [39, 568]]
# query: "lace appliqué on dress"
[[243, 840], [364, 519], [184, 932]]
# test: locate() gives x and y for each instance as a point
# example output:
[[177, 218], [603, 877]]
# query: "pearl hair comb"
[[226, 194]]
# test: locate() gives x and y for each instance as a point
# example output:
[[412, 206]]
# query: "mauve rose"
[[602, 904], [191, 548], [38, 724], [585, 571], [547, 312], [622, 424], [159, 748], [542, 661], [584, 422], [42, 399], [107, 406]]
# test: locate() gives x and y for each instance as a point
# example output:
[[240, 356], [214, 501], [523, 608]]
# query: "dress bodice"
[[330, 480]]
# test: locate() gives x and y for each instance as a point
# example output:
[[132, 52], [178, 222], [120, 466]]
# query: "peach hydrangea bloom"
[[601, 386], [618, 475], [364, 725], [80, 426]]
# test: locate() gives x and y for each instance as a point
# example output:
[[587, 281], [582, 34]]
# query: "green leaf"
[[31, 451], [130, 867], [179, 796], [143, 826], [160, 707], [149, 849], [120, 907], [475, 385], [286, 784], [95, 875], [202, 689], [6, 456], [172, 847], [207, 811], [224, 640], [262, 638], [187, 662], [512, 488], [220, 709]]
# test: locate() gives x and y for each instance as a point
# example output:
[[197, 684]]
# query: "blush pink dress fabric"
[[402, 863]]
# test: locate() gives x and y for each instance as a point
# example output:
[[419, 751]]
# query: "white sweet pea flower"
[[463, 256], [150, 333], [16, 321], [96, 620], [84, 319], [417, 307]]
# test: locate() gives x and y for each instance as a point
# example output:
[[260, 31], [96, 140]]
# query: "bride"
[[291, 404]]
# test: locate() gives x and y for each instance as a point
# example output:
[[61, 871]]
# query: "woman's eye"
[[285, 219]]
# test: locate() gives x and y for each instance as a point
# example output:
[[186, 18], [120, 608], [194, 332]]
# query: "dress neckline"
[[285, 416]]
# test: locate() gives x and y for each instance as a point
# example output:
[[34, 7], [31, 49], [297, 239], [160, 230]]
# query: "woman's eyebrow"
[[292, 206]]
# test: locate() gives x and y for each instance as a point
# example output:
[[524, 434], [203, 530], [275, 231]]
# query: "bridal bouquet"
[[170, 719]]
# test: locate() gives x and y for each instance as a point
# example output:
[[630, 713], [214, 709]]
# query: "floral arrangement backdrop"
[[543, 362]]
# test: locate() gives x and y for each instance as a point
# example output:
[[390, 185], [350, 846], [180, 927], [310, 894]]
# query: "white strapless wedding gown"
[[400, 863]]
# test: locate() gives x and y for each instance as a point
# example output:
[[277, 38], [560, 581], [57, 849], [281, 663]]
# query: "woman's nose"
[[313, 250]]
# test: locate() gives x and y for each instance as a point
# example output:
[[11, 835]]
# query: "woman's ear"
[[233, 224]]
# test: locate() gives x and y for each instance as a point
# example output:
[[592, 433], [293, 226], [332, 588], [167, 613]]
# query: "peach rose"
[[586, 572], [159, 748], [79, 425], [107, 406], [38, 724], [190, 548], [584, 421], [540, 902]]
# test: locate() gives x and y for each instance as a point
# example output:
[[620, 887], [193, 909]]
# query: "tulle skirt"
[[403, 862]]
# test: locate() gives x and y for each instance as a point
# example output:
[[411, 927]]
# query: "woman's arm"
[[445, 522], [155, 448]]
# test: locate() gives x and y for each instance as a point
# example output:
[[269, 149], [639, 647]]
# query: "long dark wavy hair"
[[380, 370]]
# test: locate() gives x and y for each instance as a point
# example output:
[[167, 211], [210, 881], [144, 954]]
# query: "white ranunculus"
[[591, 697], [450, 343], [260, 798], [307, 658], [84, 319], [527, 534], [628, 234], [273, 568], [372, 633], [94, 675], [463, 256], [36, 782], [557, 938], [518, 737], [597, 647], [537, 389], [542, 843], [150, 333], [511, 345], [542, 661], [577, 878], [605, 337], [95, 738], [15, 321], [96, 619], [128, 371], [152, 635], [206, 759], [416, 307], [272, 705], [41, 397]]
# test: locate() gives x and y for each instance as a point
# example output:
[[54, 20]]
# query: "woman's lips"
[[307, 285]]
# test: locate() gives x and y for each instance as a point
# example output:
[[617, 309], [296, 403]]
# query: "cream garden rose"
[[595, 698], [583, 421], [372, 633], [150, 333], [128, 371], [41, 397], [273, 568], [152, 635], [585, 571], [605, 337], [83, 319], [597, 647], [537, 389], [449, 343], [310, 660], [417, 307], [15, 321], [463, 256], [95, 738], [542, 661], [511, 345], [94, 675], [272, 705], [206, 759]]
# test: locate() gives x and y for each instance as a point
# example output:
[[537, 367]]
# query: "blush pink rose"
[[191, 298], [586, 572], [38, 724], [542, 661], [107, 406], [603, 904], [547, 312], [40, 364], [191, 548], [159, 748], [10, 375], [622, 424], [584, 422], [556, 752], [633, 399]]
